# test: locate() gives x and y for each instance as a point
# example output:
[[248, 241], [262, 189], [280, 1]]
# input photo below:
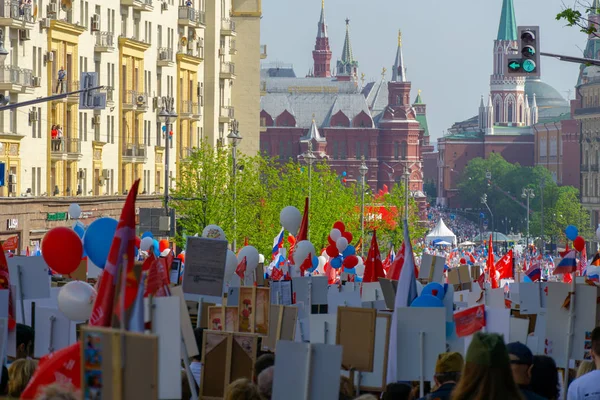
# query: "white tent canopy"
[[441, 232]]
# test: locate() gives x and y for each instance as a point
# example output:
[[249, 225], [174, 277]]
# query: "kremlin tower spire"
[[399, 72], [322, 52], [347, 67]]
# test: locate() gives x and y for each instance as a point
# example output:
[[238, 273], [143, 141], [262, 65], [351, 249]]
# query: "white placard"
[[166, 324], [186, 325], [378, 305], [497, 320], [34, 277], [530, 298], [323, 328], [412, 322], [50, 323], [461, 298], [317, 296], [4, 304], [533, 344], [3, 340], [432, 268], [494, 298], [519, 330], [374, 379], [306, 371], [204, 272], [337, 299], [371, 291], [281, 293]]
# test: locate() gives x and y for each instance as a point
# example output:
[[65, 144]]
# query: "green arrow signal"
[[514, 65]]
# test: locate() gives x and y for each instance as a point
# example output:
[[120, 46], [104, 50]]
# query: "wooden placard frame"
[[347, 316], [279, 316], [252, 294], [222, 312], [381, 388]]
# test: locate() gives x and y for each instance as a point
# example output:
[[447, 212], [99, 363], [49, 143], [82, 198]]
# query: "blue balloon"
[[571, 232], [351, 271], [79, 229], [164, 128], [434, 286], [358, 279], [147, 234], [156, 248], [344, 173], [98, 238], [349, 251], [315, 261], [427, 300], [336, 262]]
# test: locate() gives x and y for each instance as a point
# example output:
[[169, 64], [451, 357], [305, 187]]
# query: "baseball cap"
[[521, 351], [449, 362]]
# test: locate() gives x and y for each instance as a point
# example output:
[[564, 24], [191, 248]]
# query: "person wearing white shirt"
[[588, 386]]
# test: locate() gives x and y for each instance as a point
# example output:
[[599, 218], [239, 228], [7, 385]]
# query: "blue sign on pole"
[[481, 215]]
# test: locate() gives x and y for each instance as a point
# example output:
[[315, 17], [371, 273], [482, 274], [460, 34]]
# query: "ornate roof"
[[418, 99], [313, 134], [507, 30], [347, 56], [399, 72], [322, 28], [546, 95]]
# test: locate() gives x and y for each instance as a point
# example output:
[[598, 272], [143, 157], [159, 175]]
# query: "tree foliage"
[[577, 16], [204, 195], [504, 197]]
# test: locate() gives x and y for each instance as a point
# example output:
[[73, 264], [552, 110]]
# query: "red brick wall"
[[571, 159]]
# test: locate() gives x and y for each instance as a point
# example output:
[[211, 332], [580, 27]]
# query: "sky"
[[447, 45]]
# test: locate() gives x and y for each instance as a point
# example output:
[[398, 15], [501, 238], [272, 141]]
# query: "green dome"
[[546, 96]]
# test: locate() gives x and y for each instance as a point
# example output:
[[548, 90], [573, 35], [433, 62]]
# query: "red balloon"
[[330, 240], [463, 261], [332, 251], [579, 243], [138, 242], [350, 262], [181, 256], [62, 250], [340, 226], [163, 245], [348, 237]]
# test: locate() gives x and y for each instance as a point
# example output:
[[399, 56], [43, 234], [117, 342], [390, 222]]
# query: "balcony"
[[16, 15], [190, 110], [232, 47], [584, 168], [227, 114], [73, 86], [134, 100], [134, 153], [196, 51], [227, 70], [185, 152], [141, 102], [263, 51], [105, 42], [165, 57], [16, 80], [191, 17], [139, 5], [227, 27], [110, 96], [66, 149]]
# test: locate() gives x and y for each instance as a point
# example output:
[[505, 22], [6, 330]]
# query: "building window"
[[396, 150], [404, 150], [358, 150], [510, 111], [497, 111], [335, 151]]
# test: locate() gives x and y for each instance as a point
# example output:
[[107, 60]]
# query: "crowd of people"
[[490, 370], [462, 227]]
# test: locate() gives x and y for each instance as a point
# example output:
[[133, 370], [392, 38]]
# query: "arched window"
[[404, 150], [510, 111], [521, 114], [497, 111], [396, 150]]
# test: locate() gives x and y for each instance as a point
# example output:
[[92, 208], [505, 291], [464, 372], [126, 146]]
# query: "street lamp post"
[[542, 186], [235, 137], [310, 159], [167, 115], [363, 169], [528, 194], [484, 201], [406, 176]]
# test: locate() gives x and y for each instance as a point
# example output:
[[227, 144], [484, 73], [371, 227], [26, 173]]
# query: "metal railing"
[[232, 47], [165, 54], [16, 75], [105, 39], [185, 152], [190, 13], [17, 10], [134, 150], [66, 146], [146, 2], [228, 112], [190, 107], [227, 25], [228, 68], [135, 98], [110, 93], [194, 51]]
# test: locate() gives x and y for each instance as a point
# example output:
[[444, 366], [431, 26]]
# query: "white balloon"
[[335, 234], [252, 258], [261, 259], [321, 267], [290, 218], [74, 210], [146, 243], [230, 265], [213, 232], [76, 300], [302, 250], [341, 244], [360, 268]]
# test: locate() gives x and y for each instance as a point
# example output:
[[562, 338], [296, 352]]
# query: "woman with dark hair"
[[544, 378], [487, 374]]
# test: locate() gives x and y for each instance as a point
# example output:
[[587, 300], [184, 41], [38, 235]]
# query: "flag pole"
[[569, 338]]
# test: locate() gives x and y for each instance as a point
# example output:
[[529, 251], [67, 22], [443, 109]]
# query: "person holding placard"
[[545, 378], [487, 374], [242, 389], [447, 374], [521, 363], [588, 386], [19, 374]]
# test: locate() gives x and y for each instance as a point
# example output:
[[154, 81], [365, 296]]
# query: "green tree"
[[577, 16]]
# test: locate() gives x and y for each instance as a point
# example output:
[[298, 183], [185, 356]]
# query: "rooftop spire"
[[347, 56], [507, 30], [322, 32], [418, 100], [399, 72]]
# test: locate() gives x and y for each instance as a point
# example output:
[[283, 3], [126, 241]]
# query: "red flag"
[[469, 321], [373, 264], [359, 245], [306, 264], [122, 251], [276, 274], [246, 241], [292, 241], [481, 280], [5, 285], [158, 277], [241, 269], [396, 267], [303, 231], [582, 262], [490, 265], [567, 278], [62, 366], [471, 258], [505, 266], [563, 254], [330, 273]]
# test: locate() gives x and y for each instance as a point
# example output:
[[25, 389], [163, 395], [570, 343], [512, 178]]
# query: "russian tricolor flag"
[[277, 243], [567, 265], [535, 274]]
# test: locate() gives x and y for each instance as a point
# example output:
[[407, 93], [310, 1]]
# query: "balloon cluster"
[[573, 234], [340, 250]]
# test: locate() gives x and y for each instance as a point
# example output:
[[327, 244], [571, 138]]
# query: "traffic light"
[[527, 61]]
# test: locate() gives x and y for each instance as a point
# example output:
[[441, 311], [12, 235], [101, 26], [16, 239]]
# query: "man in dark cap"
[[521, 363], [447, 374]]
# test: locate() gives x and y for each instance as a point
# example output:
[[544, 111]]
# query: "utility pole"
[[542, 186], [528, 194]]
